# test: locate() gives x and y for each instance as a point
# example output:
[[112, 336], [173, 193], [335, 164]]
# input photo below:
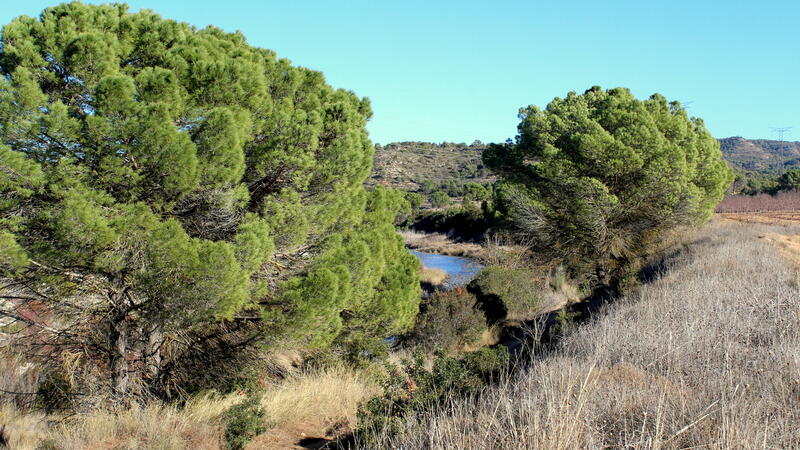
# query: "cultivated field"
[[780, 209], [783, 202]]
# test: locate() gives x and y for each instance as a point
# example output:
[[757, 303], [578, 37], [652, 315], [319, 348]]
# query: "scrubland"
[[707, 355]]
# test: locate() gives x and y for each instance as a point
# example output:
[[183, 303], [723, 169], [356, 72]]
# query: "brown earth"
[[786, 218], [787, 244]]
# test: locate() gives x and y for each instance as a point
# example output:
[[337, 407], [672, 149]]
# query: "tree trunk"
[[118, 337], [152, 355]]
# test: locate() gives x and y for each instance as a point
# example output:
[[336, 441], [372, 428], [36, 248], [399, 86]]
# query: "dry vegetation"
[[706, 356], [432, 276], [495, 250], [780, 209], [317, 404], [767, 217], [788, 201], [439, 243]]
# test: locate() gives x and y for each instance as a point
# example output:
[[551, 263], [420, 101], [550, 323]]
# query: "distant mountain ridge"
[[760, 155], [406, 165]]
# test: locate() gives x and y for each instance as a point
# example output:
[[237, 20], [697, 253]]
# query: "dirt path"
[[788, 245]]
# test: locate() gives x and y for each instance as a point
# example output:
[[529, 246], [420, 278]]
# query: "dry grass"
[[706, 356], [432, 276], [440, 244], [313, 404], [787, 245], [152, 427], [320, 404], [23, 430]]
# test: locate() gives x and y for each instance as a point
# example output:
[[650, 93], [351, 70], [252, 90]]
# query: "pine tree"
[[159, 183], [594, 180]]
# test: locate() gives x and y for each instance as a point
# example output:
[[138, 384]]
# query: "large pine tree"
[[594, 180], [159, 183]]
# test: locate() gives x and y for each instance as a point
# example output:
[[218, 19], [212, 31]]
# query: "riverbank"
[[440, 244], [492, 251]]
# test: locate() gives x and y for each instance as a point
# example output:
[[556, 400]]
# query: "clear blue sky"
[[460, 70]]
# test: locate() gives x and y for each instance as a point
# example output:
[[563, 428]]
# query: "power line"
[[781, 131]]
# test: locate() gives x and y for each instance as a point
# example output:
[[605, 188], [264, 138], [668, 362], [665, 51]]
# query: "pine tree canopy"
[[166, 178], [594, 179]]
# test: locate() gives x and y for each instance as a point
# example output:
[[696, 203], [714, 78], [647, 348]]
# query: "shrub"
[[440, 199], [456, 221], [790, 180], [448, 320], [54, 393], [506, 292], [244, 421], [475, 192], [414, 389], [414, 199]]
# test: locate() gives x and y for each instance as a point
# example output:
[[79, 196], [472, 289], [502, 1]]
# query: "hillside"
[[406, 165], [761, 155]]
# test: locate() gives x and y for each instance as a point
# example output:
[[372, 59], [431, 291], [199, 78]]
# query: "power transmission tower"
[[781, 131]]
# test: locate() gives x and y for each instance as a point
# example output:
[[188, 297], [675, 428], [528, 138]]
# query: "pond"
[[460, 270]]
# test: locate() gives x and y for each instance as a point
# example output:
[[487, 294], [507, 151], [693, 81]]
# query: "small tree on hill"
[[440, 199], [790, 180], [475, 192], [595, 179]]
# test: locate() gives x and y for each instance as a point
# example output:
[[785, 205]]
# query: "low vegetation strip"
[[705, 356], [767, 218], [781, 202]]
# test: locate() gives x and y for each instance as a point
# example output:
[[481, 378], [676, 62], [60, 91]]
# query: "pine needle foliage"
[[596, 179], [159, 180]]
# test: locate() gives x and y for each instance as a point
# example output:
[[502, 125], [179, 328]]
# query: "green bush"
[[243, 422], [504, 292], [448, 320], [440, 199], [415, 389], [414, 199], [459, 222]]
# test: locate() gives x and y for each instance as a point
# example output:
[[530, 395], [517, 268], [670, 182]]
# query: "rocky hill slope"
[[761, 155]]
